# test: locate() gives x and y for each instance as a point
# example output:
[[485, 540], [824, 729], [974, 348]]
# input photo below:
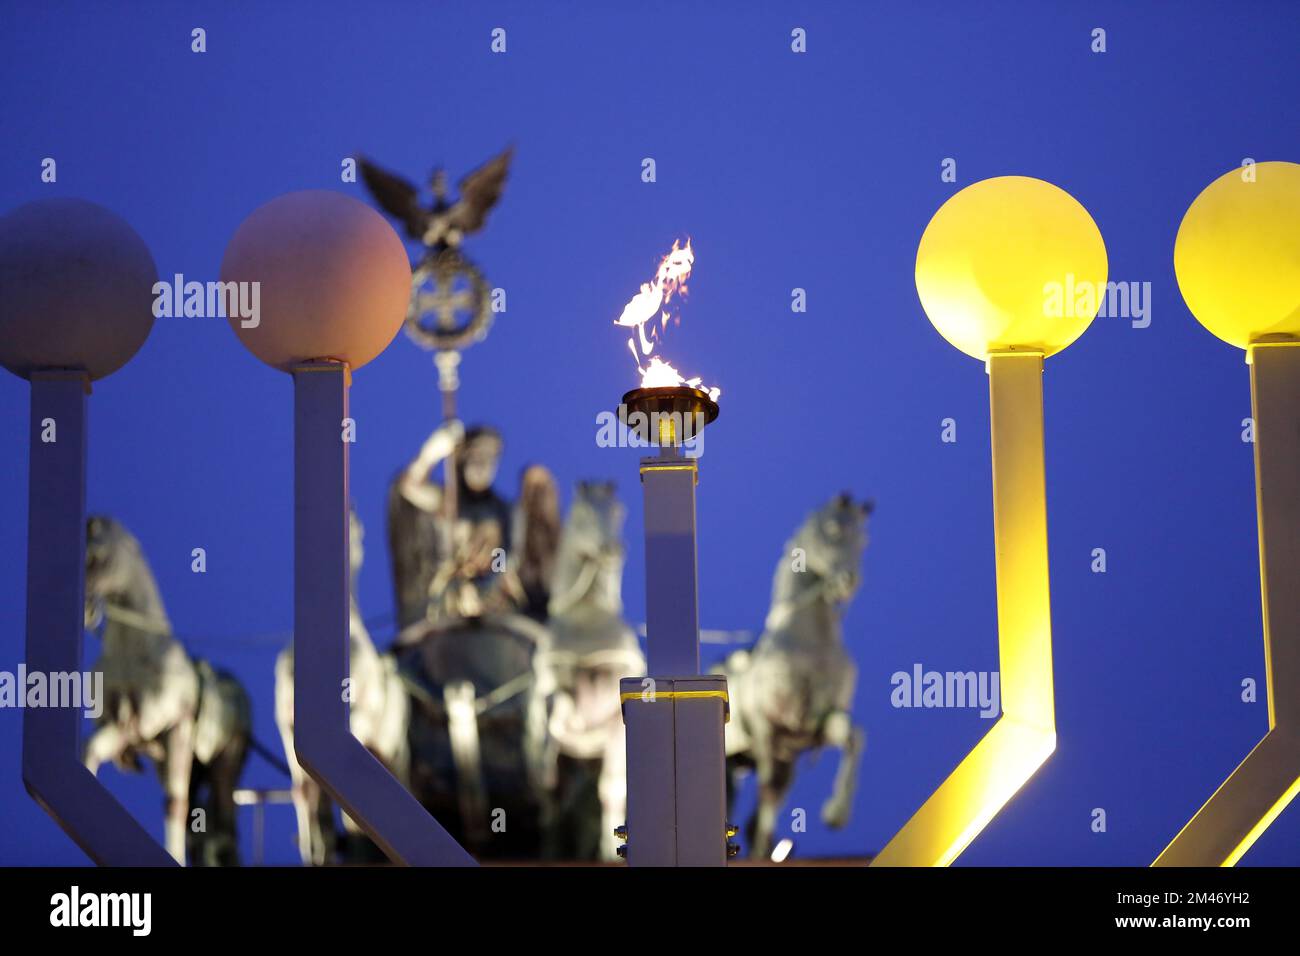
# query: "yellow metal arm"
[[1025, 735], [1269, 778]]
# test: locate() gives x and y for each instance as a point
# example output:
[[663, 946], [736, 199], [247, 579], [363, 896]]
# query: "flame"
[[659, 374], [654, 298]]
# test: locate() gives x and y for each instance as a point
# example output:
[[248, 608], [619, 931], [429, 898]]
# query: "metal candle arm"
[[53, 771], [1269, 777], [323, 738], [1025, 735]]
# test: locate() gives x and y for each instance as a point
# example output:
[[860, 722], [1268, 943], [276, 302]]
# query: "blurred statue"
[[534, 536], [443, 223], [451, 304], [591, 649], [444, 539], [449, 571], [468, 641], [792, 692], [192, 721], [379, 717], [478, 730]]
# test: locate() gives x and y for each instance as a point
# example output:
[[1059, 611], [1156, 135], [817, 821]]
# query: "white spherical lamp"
[[78, 288], [333, 278]]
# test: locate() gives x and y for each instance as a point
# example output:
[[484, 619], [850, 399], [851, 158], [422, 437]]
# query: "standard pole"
[[676, 760], [672, 606]]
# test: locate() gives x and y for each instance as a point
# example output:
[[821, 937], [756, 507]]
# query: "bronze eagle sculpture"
[[444, 223]]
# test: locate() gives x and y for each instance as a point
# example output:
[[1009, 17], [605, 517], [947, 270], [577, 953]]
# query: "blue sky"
[[817, 171]]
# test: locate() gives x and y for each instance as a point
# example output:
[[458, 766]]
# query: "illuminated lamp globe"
[[1237, 255], [333, 277], [1000, 267], [77, 285]]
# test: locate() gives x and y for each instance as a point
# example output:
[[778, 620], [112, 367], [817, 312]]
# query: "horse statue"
[[192, 721], [591, 649], [793, 690], [379, 716]]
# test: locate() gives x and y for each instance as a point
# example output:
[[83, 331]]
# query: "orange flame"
[[655, 297]]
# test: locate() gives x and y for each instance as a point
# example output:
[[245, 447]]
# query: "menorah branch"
[[1262, 786], [323, 738], [1025, 735], [56, 573]]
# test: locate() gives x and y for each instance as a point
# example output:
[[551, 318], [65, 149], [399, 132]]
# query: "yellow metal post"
[[1269, 778], [1237, 258], [1025, 735]]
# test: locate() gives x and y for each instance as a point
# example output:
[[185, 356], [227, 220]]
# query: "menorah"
[[335, 283]]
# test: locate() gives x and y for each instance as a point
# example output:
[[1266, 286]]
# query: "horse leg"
[[467, 756], [841, 732], [177, 764], [311, 808], [322, 834], [549, 782], [774, 781], [315, 818], [303, 808], [613, 790], [223, 777], [738, 767], [196, 840], [397, 725], [104, 744], [774, 777]]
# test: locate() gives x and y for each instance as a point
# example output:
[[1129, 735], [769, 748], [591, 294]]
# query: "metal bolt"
[[622, 851], [733, 850], [621, 832], [732, 830]]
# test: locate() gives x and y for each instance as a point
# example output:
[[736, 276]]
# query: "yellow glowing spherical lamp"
[[1011, 263], [1237, 255]]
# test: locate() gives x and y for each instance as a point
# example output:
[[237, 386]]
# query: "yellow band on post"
[[659, 467], [649, 697]]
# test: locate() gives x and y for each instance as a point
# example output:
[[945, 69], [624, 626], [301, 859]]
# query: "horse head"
[[832, 541], [113, 564]]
